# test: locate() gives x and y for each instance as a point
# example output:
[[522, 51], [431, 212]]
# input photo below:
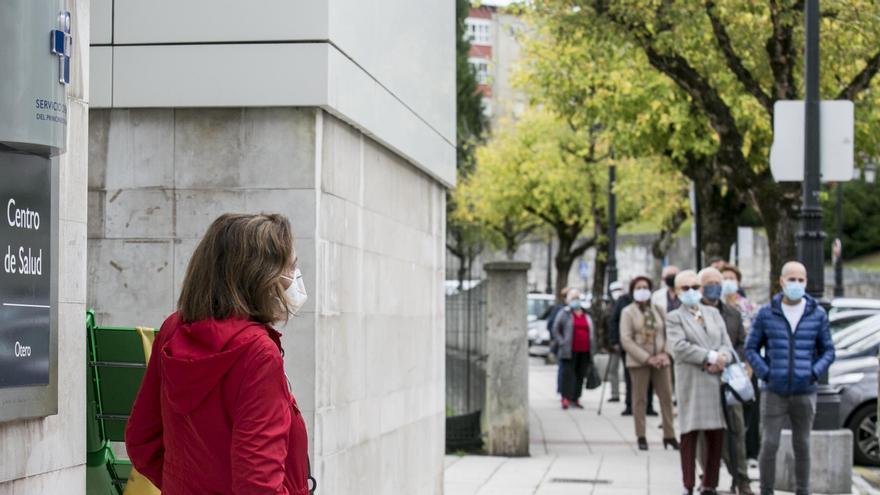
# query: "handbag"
[[736, 383], [593, 380]]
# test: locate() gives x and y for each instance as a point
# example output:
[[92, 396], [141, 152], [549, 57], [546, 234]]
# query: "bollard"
[[506, 413]]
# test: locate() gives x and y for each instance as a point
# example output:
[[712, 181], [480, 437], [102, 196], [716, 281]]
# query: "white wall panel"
[[193, 21]]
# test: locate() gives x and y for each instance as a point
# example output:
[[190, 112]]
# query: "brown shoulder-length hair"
[[236, 270]]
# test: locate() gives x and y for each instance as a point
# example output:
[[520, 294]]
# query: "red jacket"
[[214, 414]]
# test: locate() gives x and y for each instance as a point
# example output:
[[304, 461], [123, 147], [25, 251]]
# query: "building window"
[[481, 68], [479, 31]]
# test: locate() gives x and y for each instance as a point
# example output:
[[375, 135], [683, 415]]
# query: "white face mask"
[[642, 295], [296, 293]]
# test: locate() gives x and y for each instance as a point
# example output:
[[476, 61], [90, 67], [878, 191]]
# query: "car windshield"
[[538, 307], [857, 333], [845, 319]]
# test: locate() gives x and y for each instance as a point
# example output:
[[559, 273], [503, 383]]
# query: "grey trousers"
[[775, 409], [614, 374]]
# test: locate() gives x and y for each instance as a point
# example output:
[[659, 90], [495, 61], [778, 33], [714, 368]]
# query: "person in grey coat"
[[698, 342], [575, 337]]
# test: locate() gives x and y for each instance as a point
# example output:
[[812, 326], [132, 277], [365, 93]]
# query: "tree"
[[861, 218], [539, 166], [733, 60], [464, 239]]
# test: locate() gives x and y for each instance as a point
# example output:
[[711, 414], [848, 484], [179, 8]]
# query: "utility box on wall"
[[35, 48]]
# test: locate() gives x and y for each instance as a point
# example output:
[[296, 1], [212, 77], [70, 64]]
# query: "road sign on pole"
[[837, 138]]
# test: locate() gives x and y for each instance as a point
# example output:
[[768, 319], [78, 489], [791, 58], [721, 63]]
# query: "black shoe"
[[687, 492], [670, 442], [614, 399], [651, 412], [708, 491], [627, 412], [643, 444]]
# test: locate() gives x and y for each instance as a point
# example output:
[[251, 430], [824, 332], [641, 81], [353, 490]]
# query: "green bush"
[[861, 218]]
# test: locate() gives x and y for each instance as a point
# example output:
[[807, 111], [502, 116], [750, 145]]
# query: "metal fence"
[[465, 366]]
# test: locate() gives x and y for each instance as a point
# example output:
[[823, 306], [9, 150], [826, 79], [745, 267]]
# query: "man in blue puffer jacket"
[[793, 332]]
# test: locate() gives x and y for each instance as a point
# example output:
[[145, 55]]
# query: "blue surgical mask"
[[712, 292], [690, 297], [576, 304], [729, 287], [794, 291]]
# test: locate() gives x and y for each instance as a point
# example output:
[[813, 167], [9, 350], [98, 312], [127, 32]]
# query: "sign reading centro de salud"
[[36, 51], [25, 243]]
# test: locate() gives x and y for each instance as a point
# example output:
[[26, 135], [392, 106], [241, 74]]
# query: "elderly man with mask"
[[792, 331], [737, 465], [665, 297]]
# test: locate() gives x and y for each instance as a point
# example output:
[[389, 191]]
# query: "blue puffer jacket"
[[792, 362]]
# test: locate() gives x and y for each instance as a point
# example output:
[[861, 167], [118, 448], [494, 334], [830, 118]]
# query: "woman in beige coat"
[[643, 336], [698, 342]]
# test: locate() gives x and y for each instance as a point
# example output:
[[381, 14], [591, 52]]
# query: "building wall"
[[365, 354], [380, 330], [47, 455], [385, 66]]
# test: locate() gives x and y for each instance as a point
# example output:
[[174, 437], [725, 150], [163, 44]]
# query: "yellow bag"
[[138, 484]]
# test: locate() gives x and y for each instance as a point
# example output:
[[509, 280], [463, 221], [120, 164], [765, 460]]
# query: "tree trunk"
[[563, 262], [719, 211], [778, 205], [598, 307]]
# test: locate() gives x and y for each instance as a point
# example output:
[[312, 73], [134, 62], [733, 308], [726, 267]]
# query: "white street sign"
[[837, 141]]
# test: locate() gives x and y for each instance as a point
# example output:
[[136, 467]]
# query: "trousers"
[[775, 409], [574, 371], [641, 377], [711, 458]]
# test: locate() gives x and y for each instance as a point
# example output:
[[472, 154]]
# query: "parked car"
[[859, 339], [842, 319], [858, 378], [842, 304], [540, 305]]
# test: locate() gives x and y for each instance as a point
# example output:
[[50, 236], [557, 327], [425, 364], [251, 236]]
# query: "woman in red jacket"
[[215, 414]]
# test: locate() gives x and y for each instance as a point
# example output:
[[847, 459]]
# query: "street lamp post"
[[810, 236], [612, 228]]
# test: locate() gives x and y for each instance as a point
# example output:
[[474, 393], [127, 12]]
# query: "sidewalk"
[[575, 452]]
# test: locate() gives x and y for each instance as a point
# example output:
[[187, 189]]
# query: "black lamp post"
[[612, 228], [810, 236]]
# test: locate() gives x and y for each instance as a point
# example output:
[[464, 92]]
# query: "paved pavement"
[[577, 452]]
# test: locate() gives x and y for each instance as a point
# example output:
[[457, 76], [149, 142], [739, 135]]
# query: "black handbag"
[[593, 379]]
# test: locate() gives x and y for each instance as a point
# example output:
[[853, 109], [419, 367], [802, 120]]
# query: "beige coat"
[[689, 343], [635, 338]]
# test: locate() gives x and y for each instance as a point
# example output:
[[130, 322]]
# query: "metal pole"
[[612, 228], [550, 266], [838, 254], [810, 237], [698, 229]]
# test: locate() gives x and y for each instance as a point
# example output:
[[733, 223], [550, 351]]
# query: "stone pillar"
[[506, 414], [831, 461]]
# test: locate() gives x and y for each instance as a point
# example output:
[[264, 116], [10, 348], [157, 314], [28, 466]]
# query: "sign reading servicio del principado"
[[26, 248]]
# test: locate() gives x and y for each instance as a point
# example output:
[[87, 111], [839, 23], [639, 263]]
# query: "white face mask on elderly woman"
[[296, 293]]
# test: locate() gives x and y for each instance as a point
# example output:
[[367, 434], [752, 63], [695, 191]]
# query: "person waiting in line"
[[574, 334], [665, 297], [792, 331], [622, 302], [737, 465], [733, 295], [615, 290], [215, 413], [698, 342], [551, 317], [642, 335]]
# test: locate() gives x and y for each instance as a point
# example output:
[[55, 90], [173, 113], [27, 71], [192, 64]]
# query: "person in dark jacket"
[[215, 413], [551, 317], [792, 330]]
